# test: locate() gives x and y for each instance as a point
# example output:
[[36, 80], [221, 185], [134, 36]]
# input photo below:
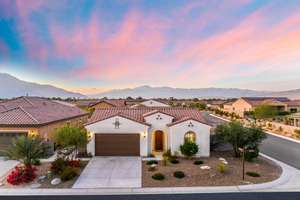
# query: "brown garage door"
[[117, 144], [6, 140]]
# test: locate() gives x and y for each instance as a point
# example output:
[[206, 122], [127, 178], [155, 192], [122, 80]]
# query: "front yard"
[[45, 181], [195, 176]]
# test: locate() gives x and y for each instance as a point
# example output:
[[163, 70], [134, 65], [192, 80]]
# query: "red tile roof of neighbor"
[[113, 102], [255, 101], [35, 111], [138, 115]]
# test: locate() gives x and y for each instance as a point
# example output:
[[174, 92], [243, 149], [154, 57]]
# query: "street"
[[284, 150], [218, 196]]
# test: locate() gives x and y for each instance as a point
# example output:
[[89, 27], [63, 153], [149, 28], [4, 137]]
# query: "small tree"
[[238, 136], [26, 149], [189, 149], [71, 136]]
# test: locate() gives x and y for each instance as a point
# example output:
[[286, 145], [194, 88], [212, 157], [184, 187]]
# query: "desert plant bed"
[[42, 170], [195, 176]]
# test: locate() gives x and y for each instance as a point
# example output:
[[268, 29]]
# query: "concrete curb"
[[287, 173]]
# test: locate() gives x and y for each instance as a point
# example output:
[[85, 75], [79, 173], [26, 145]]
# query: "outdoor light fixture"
[[144, 134]]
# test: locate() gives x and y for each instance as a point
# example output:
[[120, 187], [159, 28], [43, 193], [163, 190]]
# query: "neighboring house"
[[36, 116], [146, 130], [294, 119], [151, 103], [108, 103], [245, 104]]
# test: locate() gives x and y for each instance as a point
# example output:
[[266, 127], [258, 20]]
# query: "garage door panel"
[[117, 144], [6, 140]]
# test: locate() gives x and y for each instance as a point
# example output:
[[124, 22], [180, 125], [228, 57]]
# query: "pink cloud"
[[125, 53]]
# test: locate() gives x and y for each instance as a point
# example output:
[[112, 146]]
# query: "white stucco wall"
[[126, 126], [153, 103], [158, 121], [202, 131]]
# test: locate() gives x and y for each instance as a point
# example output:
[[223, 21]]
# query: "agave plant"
[[26, 149]]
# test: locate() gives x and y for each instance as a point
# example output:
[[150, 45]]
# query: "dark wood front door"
[[159, 141], [117, 144]]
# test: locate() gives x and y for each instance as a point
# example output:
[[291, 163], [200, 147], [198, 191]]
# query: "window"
[[190, 137]]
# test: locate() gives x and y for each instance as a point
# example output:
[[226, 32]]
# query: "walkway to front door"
[[111, 172]]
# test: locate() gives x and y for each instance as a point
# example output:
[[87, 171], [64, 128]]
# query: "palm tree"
[[26, 149]]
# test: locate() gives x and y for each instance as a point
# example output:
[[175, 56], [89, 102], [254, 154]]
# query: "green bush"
[[189, 149], [179, 174], [222, 168], [253, 174], [174, 161], [69, 173], [250, 156], [158, 176], [36, 162], [198, 162], [151, 162], [58, 165]]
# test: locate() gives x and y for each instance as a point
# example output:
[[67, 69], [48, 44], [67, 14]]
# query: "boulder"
[[56, 181]]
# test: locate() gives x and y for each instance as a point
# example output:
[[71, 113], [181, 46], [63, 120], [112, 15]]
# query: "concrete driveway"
[[111, 172], [6, 166]]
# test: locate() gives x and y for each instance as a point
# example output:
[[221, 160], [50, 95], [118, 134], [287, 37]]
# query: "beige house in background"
[[245, 104], [36, 116]]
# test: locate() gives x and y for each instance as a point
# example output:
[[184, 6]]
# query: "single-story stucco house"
[[36, 116], [144, 131], [151, 103]]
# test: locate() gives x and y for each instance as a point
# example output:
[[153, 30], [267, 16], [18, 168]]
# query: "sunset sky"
[[90, 46]]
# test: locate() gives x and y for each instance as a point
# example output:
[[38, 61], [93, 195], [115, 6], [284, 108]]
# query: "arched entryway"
[[158, 140]]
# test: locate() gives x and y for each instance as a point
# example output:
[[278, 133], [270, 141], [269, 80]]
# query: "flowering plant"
[[21, 175]]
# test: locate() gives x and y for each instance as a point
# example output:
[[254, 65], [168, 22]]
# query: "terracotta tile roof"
[[255, 101], [36, 111], [2, 108], [113, 102], [138, 114], [293, 103]]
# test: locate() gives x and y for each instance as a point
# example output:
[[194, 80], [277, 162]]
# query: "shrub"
[[21, 175], [151, 162], [58, 165], [250, 156], [158, 176], [74, 163], [167, 154], [198, 162], [253, 174], [297, 132], [69, 173], [221, 168], [36, 162], [189, 149], [174, 161], [179, 174]]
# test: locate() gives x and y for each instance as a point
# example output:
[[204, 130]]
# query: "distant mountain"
[[12, 87], [166, 92]]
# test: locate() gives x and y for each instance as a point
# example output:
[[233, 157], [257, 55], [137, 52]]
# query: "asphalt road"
[[284, 150], [219, 196]]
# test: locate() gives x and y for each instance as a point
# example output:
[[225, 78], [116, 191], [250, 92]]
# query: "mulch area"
[[195, 176], [42, 170]]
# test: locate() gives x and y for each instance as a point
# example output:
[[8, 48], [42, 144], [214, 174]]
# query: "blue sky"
[[90, 46]]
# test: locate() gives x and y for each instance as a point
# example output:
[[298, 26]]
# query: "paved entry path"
[[111, 172], [6, 166]]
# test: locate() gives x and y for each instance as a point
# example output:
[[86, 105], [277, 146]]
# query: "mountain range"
[[10, 87]]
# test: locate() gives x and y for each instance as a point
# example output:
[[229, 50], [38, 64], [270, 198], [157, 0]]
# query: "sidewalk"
[[288, 181]]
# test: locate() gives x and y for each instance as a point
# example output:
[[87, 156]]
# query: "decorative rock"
[[35, 185], [41, 178], [225, 162], [205, 167], [222, 159], [154, 165], [1, 184], [56, 181]]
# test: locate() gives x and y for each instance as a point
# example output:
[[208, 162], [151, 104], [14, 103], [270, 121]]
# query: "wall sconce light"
[[32, 133], [144, 134]]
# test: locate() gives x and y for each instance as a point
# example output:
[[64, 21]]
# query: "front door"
[[159, 140]]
